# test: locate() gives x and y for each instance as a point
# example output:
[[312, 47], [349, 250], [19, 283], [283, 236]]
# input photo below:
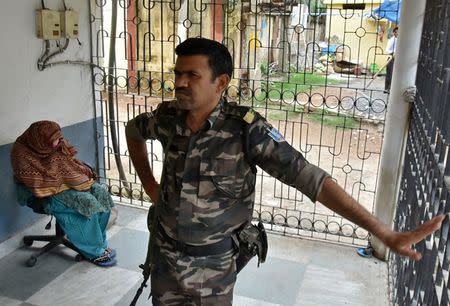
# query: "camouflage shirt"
[[208, 183]]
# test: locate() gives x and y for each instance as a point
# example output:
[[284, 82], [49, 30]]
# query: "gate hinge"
[[409, 94]]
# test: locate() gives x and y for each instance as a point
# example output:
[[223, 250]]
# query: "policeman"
[[207, 192]]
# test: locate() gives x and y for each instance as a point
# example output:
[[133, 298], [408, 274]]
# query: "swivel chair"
[[37, 204]]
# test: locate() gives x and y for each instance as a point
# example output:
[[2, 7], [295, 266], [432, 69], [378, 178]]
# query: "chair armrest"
[[23, 194], [26, 198]]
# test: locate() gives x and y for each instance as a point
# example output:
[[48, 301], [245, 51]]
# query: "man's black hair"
[[219, 59]]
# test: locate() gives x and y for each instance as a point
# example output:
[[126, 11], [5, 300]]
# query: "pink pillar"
[[217, 22]]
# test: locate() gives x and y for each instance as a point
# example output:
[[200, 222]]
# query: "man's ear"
[[222, 82]]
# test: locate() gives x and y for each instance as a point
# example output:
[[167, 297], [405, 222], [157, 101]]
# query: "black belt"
[[216, 248]]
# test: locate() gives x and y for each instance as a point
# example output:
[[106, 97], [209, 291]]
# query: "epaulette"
[[243, 112]]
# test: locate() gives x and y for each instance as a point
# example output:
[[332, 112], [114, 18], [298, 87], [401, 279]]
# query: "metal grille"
[[306, 66], [425, 182]]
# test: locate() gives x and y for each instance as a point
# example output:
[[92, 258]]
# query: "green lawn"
[[281, 96], [331, 119], [324, 117], [291, 85]]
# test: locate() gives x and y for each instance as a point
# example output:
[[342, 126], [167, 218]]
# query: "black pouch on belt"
[[252, 241]]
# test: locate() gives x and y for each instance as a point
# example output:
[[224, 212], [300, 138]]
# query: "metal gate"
[[307, 66], [426, 176]]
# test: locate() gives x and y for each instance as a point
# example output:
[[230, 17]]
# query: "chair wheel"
[[27, 241], [31, 261], [79, 257]]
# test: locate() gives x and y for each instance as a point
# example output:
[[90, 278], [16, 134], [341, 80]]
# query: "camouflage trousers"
[[182, 280]]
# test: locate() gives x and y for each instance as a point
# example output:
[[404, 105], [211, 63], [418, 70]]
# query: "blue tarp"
[[390, 10], [330, 49]]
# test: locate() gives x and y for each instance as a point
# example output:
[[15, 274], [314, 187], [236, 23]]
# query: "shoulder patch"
[[275, 134], [249, 116]]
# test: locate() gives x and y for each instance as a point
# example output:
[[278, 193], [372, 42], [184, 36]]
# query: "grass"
[[285, 113], [312, 79], [325, 117], [291, 85], [333, 120]]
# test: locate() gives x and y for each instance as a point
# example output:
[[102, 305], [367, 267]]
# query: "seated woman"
[[44, 162]]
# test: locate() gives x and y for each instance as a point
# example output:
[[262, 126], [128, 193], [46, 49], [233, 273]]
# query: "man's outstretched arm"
[[336, 199]]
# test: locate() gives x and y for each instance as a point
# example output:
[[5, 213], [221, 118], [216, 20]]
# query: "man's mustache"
[[182, 91]]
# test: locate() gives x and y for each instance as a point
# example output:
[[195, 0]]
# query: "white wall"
[[62, 93]]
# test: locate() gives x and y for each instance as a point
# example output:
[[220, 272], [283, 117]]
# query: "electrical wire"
[[61, 50], [69, 62], [40, 63]]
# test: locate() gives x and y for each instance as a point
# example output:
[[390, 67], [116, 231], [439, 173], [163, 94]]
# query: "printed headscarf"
[[47, 170]]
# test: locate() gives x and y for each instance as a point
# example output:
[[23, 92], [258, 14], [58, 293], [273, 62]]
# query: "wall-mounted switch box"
[[48, 24], [69, 23]]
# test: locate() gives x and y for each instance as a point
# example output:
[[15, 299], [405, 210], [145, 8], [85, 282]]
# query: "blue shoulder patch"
[[275, 134]]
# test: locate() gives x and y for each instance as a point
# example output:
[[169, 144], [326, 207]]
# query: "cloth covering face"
[[48, 169]]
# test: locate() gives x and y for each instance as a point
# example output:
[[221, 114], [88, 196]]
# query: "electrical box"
[[48, 24], [69, 23]]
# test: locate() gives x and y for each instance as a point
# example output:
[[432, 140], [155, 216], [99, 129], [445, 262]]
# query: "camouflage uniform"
[[208, 193]]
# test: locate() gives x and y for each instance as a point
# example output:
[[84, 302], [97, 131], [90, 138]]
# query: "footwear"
[[104, 261], [365, 252], [386, 91], [111, 252]]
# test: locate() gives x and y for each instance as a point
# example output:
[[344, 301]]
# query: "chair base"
[[53, 241]]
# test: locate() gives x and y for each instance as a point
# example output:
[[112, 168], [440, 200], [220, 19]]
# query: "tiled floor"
[[297, 272]]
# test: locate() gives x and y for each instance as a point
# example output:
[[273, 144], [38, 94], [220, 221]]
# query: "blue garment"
[[87, 203], [87, 233]]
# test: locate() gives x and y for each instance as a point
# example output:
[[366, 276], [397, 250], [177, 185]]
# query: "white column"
[[398, 115]]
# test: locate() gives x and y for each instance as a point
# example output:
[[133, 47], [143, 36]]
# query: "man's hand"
[[336, 199], [401, 243]]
